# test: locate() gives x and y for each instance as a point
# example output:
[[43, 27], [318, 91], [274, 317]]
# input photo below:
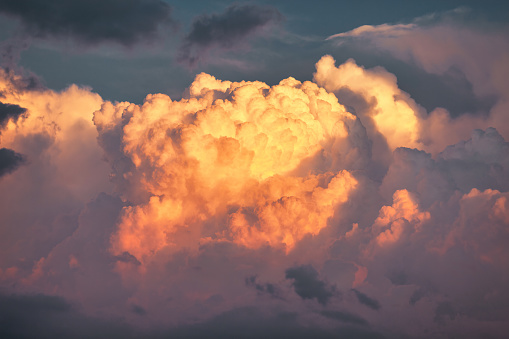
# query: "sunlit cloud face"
[[231, 152]]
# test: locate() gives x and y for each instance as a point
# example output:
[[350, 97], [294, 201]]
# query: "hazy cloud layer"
[[225, 31], [91, 22]]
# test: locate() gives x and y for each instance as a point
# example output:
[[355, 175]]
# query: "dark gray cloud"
[[267, 288], [9, 161], [249, 322], [225, 31], [43, 316], [307, 285], [345, 317], [367, 301], [8, 111], [90, 21]]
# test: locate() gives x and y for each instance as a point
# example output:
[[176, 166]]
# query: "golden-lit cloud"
[[228, 152], [394, 221], [395, 115]]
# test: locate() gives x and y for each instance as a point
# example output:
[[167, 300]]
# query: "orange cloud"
[[228, 153], [393, 221]]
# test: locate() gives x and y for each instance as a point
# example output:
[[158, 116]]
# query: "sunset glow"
[[355, 184]]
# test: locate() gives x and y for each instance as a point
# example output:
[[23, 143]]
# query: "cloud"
[[369, 30], [9, 161], [226, 140], [91, 22], [344, 317], [10, 112], [225, 31], [267, 288], [441, 44], [365, 300], [253, 205], [308, 286]]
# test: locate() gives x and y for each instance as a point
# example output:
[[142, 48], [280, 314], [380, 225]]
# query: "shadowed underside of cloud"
[[345, 317], [51, 317], [225, 31], [91, 22], [9, 161], [366, 300]]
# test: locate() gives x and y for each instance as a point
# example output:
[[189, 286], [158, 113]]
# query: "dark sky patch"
[[367, 301], [90, 21], [9, 161], [307, 284], [225, 31]]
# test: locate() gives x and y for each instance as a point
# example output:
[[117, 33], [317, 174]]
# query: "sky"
[[224, 169]]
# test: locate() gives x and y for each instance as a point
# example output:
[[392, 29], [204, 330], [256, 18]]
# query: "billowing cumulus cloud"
[[91, 22], [225, 31], [441, 44], [233, 151], [326, 208]]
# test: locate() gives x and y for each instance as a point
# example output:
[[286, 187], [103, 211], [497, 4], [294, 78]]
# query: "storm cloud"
[[225, 31], [10, 112], [307, 284], [9, 161], [91, 22]]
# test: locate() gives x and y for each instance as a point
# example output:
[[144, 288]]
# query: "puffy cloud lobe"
[[228, 152], [392, 222], [394, 114], [91, 22], [225, 31]]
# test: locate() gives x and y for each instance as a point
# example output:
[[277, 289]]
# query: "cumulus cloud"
[[197, 158], [225, 31], [91, 22], [271, 207], [439, 44]]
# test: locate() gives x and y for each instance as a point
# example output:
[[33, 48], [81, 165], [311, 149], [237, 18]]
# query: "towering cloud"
[[267, 161]]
